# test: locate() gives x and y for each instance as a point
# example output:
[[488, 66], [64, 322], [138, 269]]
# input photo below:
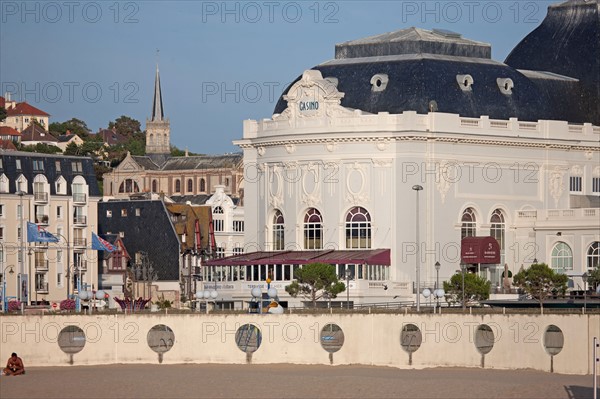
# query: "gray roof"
[[203, 162], [411, 41], [145, 162]]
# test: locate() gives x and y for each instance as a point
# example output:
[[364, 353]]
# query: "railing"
[[41, 288], [41, 264], [41, 219], [40, 197], [79, 197], [80, 219], [79, 241]]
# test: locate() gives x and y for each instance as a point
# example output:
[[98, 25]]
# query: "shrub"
[[14, 306], [67, 304]]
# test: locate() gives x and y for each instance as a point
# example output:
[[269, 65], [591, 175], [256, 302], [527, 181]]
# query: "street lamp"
[[437, 282], [584, 277], [206, 295], [463, 269], [21, 193], [348, 273], [417, 188], [4, 301]]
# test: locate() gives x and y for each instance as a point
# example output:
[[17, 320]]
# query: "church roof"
[[145, 162], [157, 105], [203, 162]]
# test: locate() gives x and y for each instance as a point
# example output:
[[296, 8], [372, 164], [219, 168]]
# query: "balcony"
[[41, 264], [80, 219], [42, 219], [41, 288], [40, 197], [79, 198], [79, 241]]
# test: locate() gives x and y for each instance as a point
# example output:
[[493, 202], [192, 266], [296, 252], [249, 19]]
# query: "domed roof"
[[568, 43], [419, 70]]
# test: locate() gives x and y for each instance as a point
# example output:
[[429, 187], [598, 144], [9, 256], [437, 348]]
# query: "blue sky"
[[220, 62]]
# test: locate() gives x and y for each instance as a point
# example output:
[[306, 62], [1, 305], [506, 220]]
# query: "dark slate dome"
[[424, 69], [567, 43]]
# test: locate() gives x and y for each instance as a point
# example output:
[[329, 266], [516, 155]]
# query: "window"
[[177, 186], [358, 228], [19, 236], [238, 225], [18, 164], [138, 211], [218, 224], [278, 231], [59, 255], [77, 166], [220, 252], [154, 186], [562, 257], [3, 184], [1, 165], [202, 185], [124, 213], [313, 229], [596, 184], [218, 210], [238, 250], [497, 230], [1, 234], [108, 214], [122, 234], [575, 184], [59, 212], [593, 256], [227, 181], [1, 210], [38, 165], [190, 185], [469, 224], [57, 164], [129, 186]]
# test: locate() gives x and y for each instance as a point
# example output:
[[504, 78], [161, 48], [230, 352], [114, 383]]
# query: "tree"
[[74, 125], [594, 278], [71, 149], [314, 280], [540, 281], [126, 126], [2, 114], [40, 148], [476, 288]]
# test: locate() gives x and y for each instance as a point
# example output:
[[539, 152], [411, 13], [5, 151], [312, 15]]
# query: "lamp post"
[[348, 288], [4, 301], [584, 277], [21, 193], [417, 188], [437, 282], [463, 268], [206, 295]]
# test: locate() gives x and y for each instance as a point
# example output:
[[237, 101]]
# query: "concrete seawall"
[[490, 341]]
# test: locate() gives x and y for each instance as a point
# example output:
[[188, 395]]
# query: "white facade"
[[318, 154], [228, 223]]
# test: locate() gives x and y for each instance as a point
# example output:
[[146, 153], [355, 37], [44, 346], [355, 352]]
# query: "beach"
[[288, 381]]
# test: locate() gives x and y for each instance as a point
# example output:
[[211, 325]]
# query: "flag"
[[101, 245], [37, 234]]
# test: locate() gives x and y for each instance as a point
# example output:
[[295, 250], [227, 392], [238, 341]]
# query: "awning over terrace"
[[357, 257]]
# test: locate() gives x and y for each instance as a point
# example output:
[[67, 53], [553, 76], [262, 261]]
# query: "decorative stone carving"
[[261, 151], [556, 185], [382, 144], [330, 146], [290, 148]]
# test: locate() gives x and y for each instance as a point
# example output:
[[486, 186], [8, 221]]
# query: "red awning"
[[357, 257], [484, 250]]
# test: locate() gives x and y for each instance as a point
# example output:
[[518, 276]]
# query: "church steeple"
[[157, 105], [158, 129]]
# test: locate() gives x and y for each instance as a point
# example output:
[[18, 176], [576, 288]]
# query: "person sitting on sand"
[[14, 366]]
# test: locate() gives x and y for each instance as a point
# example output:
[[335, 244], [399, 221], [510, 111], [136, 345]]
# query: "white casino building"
[[504, 149]]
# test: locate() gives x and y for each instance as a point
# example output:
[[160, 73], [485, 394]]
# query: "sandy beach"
[[288, 381]]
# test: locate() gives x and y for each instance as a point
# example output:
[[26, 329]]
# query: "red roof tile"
[[8, 131], [7, 145], [25, 109], [2, 102]]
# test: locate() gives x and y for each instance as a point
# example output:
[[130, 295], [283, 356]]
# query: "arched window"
[[218, 210], [497, 230], [202, 185], [190, 185], [218, 221], [177, 186], [469, 224], [358, 228], [562, 257], [593, 256], [3, 183], [313, 229], [154, 186], [129, 186], [278, 231]]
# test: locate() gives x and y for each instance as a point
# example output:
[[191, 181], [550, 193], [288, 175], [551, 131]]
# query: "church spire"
[[157, 106]]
